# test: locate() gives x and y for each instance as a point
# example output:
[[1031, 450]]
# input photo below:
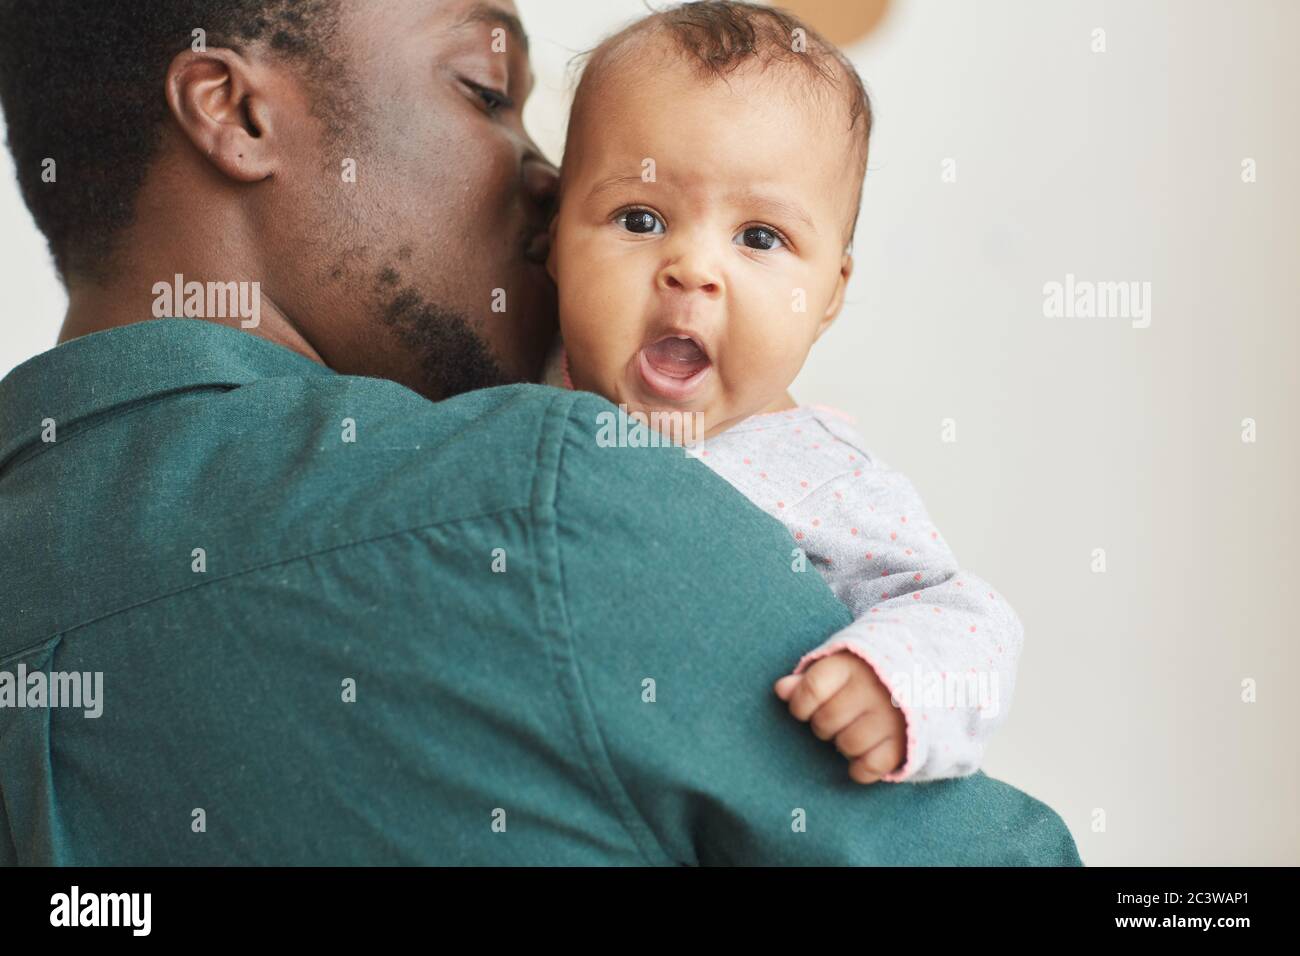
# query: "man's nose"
[[541, 181]]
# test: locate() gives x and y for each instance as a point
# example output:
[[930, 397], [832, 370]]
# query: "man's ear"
[[215, 100], [837, 300]]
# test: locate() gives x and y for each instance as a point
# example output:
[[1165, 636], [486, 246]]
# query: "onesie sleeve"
[[943, 641]]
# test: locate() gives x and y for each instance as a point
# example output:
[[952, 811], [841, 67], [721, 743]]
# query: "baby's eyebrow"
[[614, 182], [756, 200]]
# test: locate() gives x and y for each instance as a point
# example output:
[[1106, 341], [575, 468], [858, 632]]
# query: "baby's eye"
[[641, 221], [758, 237]]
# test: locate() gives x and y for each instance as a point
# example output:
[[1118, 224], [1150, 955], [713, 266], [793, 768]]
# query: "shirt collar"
[[96, 373]]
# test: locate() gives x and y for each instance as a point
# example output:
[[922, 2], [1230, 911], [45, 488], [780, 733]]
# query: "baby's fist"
[[841, 697]]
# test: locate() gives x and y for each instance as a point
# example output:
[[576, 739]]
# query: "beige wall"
[[1071, 434]]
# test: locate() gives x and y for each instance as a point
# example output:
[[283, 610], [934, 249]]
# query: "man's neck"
[[165, 240], [131, 298]]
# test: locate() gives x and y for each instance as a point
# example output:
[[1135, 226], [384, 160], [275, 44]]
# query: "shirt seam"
[[570, 675], [355, 542], [80, 427]]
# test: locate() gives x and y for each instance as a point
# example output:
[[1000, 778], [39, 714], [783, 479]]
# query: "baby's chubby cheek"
[[765, 349], [602, 316]]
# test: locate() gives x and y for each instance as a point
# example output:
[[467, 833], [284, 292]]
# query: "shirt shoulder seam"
[[251, 569], [569, 671]]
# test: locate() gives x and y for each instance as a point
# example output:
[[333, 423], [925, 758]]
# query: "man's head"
[[711, 184], [365, 163]]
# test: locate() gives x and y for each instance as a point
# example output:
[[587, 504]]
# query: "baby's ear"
[[837, 299]]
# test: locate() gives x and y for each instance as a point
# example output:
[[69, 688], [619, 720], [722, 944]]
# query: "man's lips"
[[674, 366]]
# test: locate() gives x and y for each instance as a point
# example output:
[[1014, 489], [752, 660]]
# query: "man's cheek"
[[496, 167]]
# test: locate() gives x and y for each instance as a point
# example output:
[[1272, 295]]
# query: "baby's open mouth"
[[674, 366], [676, 356]]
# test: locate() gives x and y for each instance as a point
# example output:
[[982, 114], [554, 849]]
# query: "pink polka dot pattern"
[[866, 530]]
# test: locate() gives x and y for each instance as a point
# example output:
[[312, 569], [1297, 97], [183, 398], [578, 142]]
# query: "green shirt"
[[337, 623]]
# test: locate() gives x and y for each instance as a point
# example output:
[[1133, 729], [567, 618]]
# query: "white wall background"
[[1072, 434]]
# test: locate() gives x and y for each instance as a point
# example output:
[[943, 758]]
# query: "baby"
[[710, 187]]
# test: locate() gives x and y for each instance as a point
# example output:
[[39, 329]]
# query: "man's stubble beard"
[[453, 358], [453, 355]]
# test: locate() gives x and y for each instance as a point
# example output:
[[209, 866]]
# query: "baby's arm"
[[940, 639]]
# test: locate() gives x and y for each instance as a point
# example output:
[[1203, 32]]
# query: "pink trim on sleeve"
[[910, 761]]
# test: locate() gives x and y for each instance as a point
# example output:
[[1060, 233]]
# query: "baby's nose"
[[689, 275]]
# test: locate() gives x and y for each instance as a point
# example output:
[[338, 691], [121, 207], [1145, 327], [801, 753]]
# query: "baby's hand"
[[844, 699]]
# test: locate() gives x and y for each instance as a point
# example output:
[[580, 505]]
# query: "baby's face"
[[699, 249]]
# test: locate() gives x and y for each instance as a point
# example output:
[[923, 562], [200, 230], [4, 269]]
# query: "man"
[[261, 602]]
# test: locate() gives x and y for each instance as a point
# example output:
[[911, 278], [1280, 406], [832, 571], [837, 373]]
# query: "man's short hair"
[[82, 84]]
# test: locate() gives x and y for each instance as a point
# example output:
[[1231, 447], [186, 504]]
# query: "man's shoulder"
[[625, 498], [218, 483], [520, 445], [631, 475], [378, 440]]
